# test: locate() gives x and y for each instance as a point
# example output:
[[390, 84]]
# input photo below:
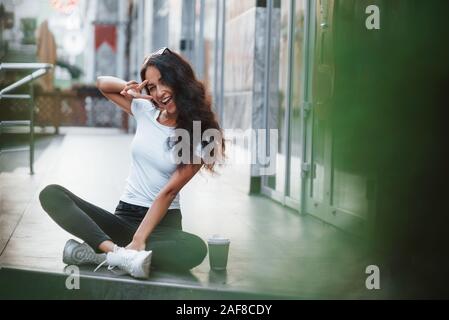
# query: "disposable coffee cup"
[[218, 252]]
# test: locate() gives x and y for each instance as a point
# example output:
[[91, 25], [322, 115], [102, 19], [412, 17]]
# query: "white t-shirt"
[[151, 161]]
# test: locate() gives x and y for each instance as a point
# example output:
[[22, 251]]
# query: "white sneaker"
[[136, 263]]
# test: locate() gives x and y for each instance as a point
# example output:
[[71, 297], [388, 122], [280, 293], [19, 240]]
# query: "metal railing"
[[38, 70]]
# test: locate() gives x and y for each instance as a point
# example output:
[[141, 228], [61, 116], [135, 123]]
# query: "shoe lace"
[[125, 262], [100, 265], [115, 249]]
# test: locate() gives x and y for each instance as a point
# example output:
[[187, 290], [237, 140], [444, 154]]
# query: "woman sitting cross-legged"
[[146, 227]]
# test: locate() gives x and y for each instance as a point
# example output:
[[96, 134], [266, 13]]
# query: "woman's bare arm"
[[161, 204], [111, 87]]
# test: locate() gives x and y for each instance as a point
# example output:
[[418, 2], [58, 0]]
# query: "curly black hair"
[[192, 101]]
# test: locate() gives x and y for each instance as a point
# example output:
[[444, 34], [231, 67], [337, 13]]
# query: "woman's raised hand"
[[133, 89]]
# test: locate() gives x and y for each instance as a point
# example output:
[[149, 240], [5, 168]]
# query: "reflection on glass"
[[210, 11], [320, 116], [350, 192], [278, 89], [319, 126], [295, 116], [174, 23], [350, 177]]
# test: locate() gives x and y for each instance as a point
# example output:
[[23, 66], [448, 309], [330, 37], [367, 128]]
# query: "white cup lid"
[[217, 239]]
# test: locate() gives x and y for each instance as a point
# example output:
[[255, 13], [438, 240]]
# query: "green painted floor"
[[274, 253]]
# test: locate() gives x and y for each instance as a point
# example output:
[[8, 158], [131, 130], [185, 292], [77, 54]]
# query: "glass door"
[[319, 136], [298, 81], [285, 58], [277, 99], [336, 188]]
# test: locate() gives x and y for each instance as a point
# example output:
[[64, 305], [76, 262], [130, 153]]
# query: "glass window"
[[278, 89], [210, 19], [175, 18], [295, 113]]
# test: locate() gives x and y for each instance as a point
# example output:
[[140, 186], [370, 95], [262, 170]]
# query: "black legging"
[[172, 248]]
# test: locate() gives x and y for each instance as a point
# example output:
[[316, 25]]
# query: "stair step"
[[32, 284]]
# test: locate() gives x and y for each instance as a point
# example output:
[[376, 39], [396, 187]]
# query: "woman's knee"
[[197, 249], [187, 252], [50, 193]]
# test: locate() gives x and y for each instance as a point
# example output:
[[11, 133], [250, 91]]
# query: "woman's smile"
[[166, 100]]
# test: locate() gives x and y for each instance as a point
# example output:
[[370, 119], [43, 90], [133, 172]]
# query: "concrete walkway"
[[275, 253]]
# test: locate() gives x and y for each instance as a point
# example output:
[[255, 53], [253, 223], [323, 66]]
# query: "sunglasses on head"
[[159, 52]]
